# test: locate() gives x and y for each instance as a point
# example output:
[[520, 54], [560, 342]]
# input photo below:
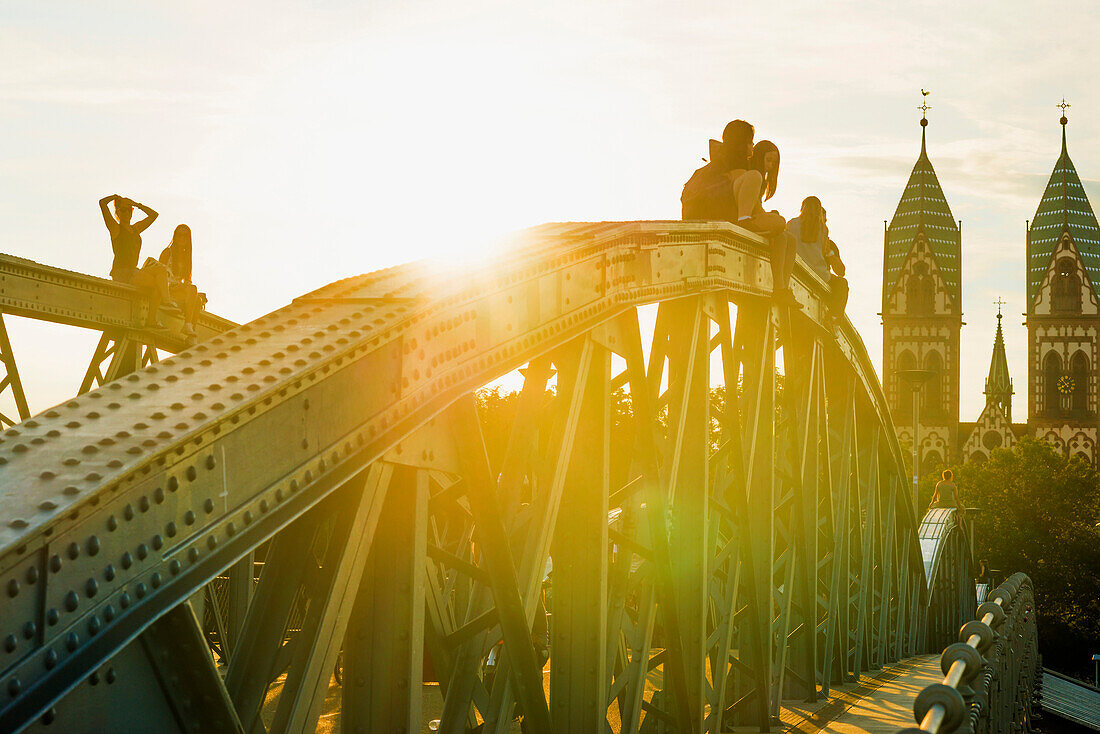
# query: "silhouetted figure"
[[708, 195], [177, 258], [946, 495], [811, 232], [152, 277], [752, 188]]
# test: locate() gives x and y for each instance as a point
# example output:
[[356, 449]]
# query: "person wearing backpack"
[[709, 194]]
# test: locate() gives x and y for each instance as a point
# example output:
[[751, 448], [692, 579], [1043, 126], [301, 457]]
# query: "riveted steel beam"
[[147, 487]]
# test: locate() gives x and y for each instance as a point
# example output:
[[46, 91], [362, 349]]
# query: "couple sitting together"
[[733, 187], [163, 280]]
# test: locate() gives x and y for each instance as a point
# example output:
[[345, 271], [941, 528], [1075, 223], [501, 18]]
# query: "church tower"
[[1063, 314], [922, 313], [993, 428]]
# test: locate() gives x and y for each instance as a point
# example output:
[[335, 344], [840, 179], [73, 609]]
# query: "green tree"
[[1038, 513]]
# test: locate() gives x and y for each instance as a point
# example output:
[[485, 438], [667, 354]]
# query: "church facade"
[[922, 323]]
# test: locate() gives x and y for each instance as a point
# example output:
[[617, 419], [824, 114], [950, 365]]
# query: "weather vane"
[[1065, 106], [998, 303]]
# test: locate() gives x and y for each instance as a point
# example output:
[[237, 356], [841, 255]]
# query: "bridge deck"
[[882, 702]]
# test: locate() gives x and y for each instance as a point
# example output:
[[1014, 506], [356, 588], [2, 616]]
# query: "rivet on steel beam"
[[158, 495], [50, 661], [139, 590], [110, 677], [29, 630], [109, 613], [212, 542], [109, 572], [71, 490], [94, 625], [112, 523], [93, 679], [173, 484], [72, 601], [170, 530], [52, 615], [73, 551], [142, 551], [158, 542], [9, 643], [193, 554], [174, 567], [143, 503], [127, 560], [93, 545], [263, 506], [91, 588], [189, 517], [13, 588], [279, 495], [248, 517], [55, 563], [32, 574], [208, 506], [155, 580], [128, 512], [72, 642]]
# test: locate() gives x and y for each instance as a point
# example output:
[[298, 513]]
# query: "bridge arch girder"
[[289, 427]]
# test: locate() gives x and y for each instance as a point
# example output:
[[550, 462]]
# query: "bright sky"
[[304, 142]]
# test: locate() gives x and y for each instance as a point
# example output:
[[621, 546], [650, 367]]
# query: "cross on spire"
[[998, 303], [1065, 106], [924, 108]]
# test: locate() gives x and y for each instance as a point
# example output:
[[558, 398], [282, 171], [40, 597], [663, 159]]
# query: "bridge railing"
[[990, 675]]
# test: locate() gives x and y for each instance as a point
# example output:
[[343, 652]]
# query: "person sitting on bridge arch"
[[821, 255], [751, 189], [708, 195], [946, 495], [176, 257], [152, 277]]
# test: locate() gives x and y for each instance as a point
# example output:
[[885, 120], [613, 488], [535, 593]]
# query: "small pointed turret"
[[998, 386], [1064, 209]]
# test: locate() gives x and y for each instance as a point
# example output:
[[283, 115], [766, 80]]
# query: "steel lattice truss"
[[708, 560]]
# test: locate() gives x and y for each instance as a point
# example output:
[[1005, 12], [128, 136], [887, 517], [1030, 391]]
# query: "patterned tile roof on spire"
[[923, 207], [1064, 206], [998, 386]]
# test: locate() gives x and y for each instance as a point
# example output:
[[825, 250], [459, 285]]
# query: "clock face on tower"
[[1065, 384]]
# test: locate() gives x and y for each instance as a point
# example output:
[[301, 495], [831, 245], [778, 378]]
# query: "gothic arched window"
[[932, 393], [978, 457], [931, 462], [919, 291], [1052, 372], [1065, 287], [1079, 374]]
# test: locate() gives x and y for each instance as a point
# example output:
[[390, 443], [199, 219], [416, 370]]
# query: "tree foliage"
[[1038, 513]]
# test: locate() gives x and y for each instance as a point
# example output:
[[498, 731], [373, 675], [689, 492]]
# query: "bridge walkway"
[[881, 702]]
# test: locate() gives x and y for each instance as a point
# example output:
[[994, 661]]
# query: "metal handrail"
[[961, 701]]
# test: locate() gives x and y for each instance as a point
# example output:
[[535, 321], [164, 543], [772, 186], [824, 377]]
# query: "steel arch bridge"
[[709, 559]]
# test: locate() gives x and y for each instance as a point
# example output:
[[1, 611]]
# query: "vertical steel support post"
[[578, 673], [689, 487], [383, 645]]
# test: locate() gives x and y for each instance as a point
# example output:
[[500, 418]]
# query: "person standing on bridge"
[[177, 259], [152, 277], [946, 494]]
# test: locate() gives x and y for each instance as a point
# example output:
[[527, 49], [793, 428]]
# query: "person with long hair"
[[821, 255], [151, 278], [752, 187], [176, 257]]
